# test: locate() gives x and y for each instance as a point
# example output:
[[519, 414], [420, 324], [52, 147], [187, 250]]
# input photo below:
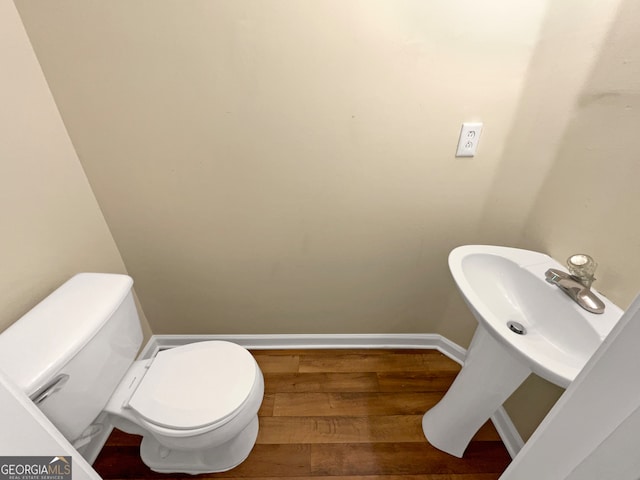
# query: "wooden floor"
[[339, 415]]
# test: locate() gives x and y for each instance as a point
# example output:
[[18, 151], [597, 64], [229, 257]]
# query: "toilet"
[[74, 355]]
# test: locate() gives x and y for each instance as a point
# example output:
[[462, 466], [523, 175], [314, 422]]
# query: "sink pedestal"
[[489, 376]]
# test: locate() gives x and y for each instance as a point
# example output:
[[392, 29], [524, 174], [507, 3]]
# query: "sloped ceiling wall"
[[52, 226]]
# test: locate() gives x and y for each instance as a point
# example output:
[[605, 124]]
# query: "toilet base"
[[217, 459]]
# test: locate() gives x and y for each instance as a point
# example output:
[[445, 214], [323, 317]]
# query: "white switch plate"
[[469, 138]]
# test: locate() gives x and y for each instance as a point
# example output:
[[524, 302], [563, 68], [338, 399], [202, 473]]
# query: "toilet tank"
[[72, 349]]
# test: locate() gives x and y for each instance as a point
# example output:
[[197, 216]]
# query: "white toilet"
[[195, 406]]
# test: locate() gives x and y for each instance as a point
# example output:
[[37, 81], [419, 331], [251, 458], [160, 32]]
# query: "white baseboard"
[[501, 420], [312, 341], [507, 431]]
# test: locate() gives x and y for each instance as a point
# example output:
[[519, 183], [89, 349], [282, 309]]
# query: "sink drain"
[[516, 327]]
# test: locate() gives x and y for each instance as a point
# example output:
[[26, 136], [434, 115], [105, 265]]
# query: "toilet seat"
[[196, 386]]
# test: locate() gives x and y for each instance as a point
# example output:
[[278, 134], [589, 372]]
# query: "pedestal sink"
[[525, 325]]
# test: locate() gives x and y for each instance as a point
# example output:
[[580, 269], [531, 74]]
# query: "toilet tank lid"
[[41, 342]]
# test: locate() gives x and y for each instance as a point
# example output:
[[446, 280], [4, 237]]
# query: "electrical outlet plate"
[[469, 138]]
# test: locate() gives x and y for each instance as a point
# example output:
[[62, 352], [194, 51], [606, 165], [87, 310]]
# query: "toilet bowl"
[[195, 405], [74, 354]]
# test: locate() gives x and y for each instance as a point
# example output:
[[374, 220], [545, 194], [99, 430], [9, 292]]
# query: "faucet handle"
[[583, 267], [553, 275]]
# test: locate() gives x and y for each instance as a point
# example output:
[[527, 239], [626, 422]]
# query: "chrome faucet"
[[577, 286]]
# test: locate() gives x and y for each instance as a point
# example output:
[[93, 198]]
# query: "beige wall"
[[287, 166], [274, 166], [589, 200], [528, 178], [52, 226]]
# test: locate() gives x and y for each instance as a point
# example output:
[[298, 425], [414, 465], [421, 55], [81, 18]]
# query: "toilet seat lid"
[[195, 385]]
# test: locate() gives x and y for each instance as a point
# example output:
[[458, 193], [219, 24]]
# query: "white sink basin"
[[501, 284]]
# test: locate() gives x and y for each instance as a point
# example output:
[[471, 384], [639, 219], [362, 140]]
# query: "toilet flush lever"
[[49, 389]]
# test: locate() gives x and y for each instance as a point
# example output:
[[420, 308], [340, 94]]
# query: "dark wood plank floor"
[[342, 415]]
